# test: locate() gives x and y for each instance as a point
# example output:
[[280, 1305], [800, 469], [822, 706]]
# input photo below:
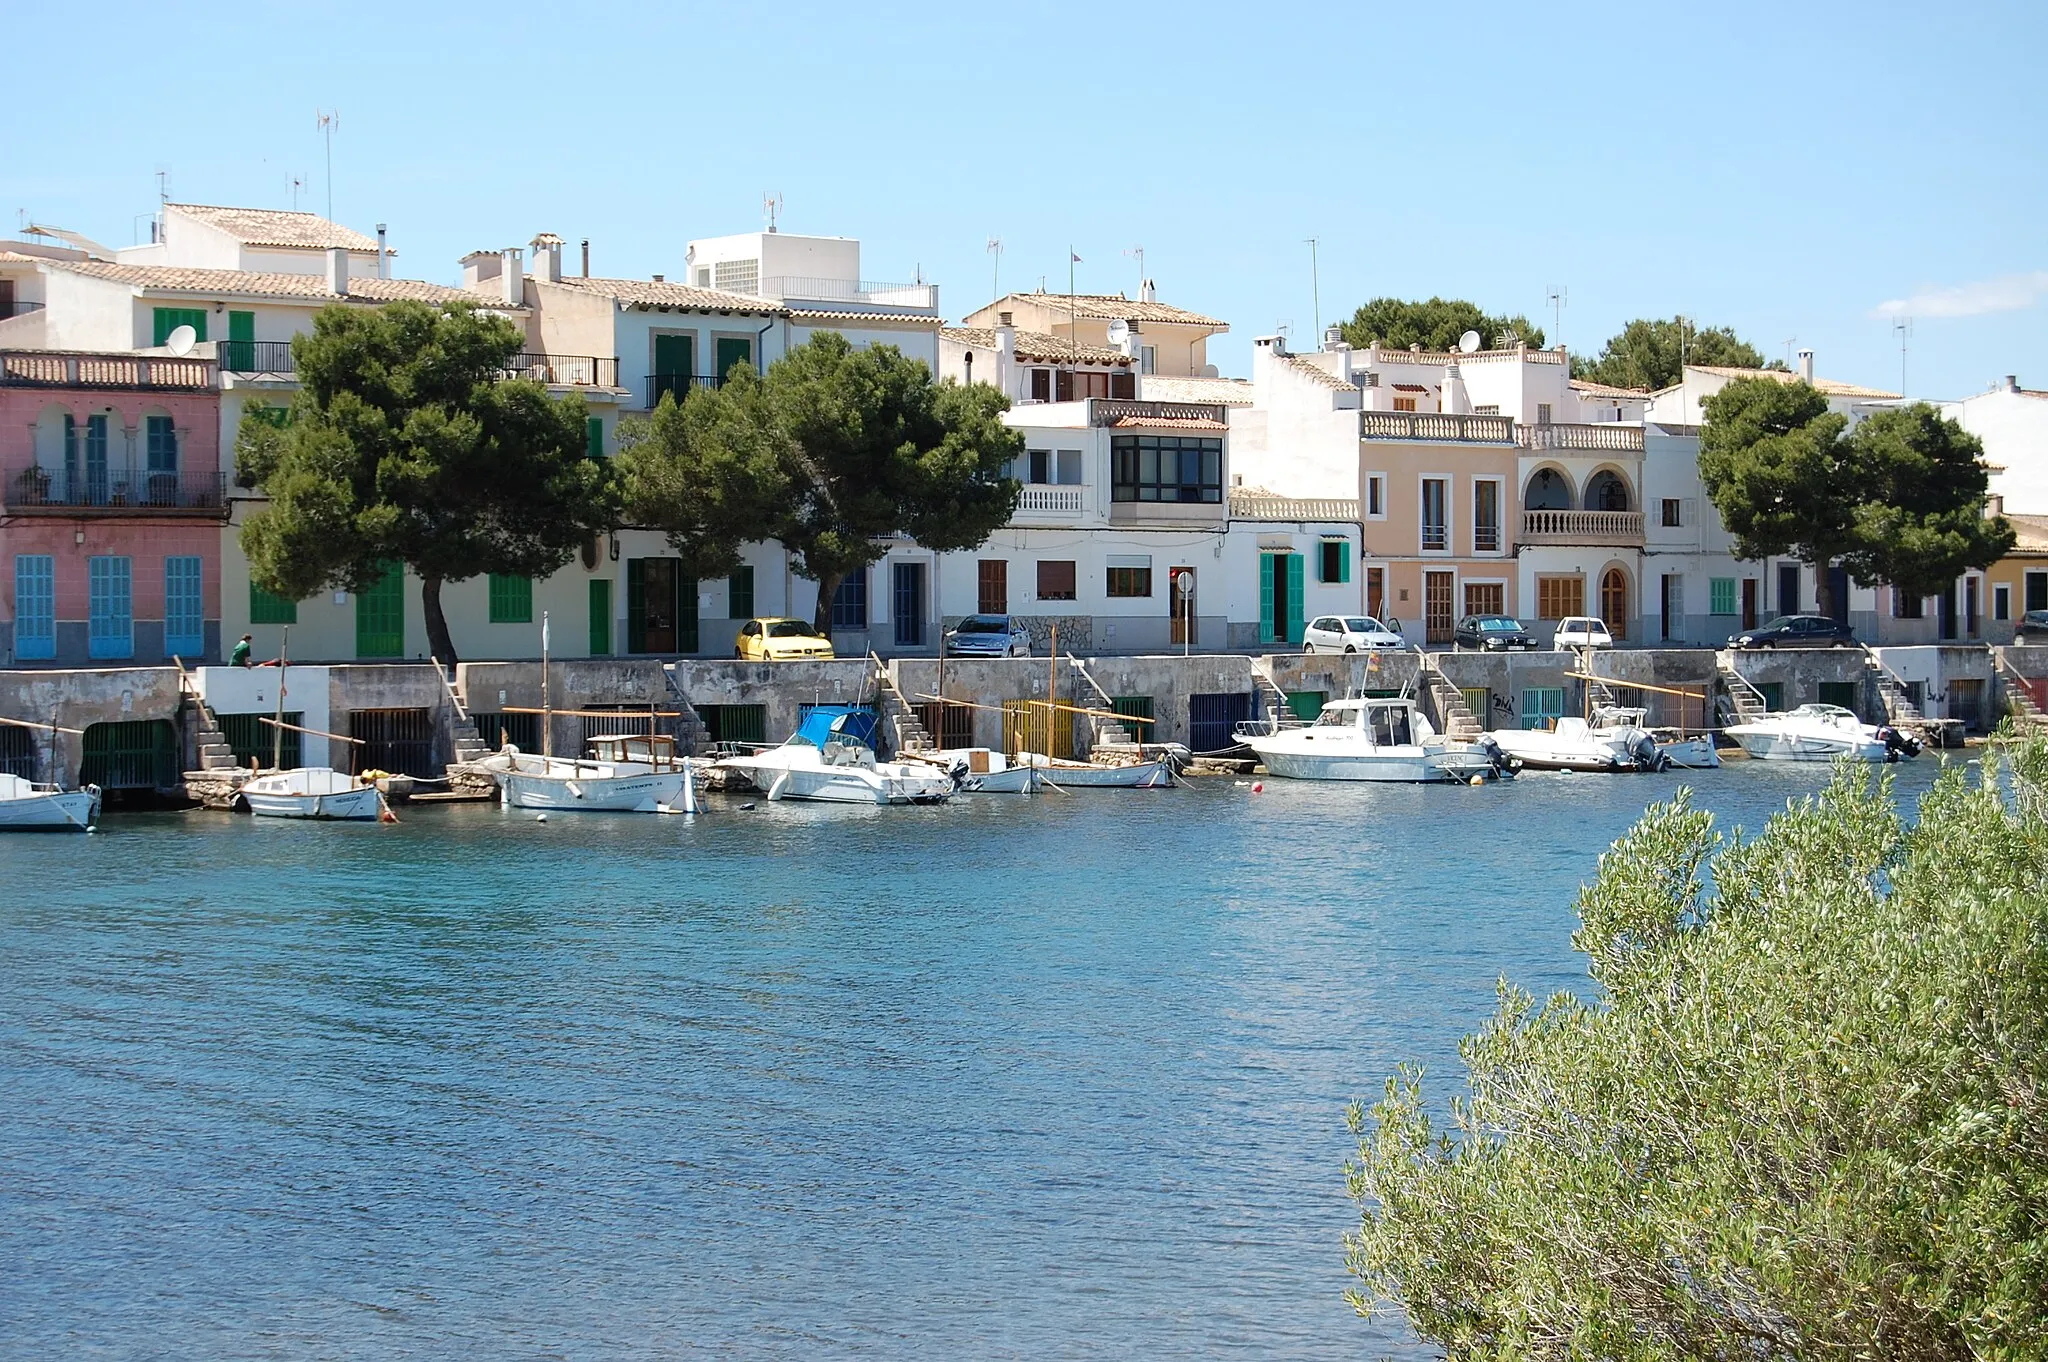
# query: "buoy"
[[540, 818], [1258, 787], [1477, 781]]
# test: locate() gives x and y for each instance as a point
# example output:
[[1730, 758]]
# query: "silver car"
[[989, 636], [1348, 634]]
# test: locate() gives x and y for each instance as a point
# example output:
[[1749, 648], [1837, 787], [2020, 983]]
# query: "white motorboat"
[[981, 770], [25, 804], [1384, 740], [624, 773], [311, 792], [1820, 733], [1613, 740], [843, 771], [1688, 753], [1149, 774]]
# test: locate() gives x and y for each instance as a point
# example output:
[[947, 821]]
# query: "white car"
[[1581, 631], [1348, 634]]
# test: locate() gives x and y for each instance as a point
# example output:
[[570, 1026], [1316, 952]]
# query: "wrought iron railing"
[[256, 357], [571, 371], [678, 384], [36, 490], [17, 307]]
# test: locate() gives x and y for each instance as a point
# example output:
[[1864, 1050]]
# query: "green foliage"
[[405, 444], [833, 449], [1396, 324], [1807, 1116], [1899, 499], [1649, 353]]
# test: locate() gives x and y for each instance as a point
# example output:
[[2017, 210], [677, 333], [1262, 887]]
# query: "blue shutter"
[[111, 631], [184, 609], [35, 607], [1265, 597]]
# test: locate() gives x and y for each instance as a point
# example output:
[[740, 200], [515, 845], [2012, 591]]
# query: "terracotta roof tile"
[[275, 227], [259, 284], [1110, 306], [1316, 373], [1606, 389], [1225, 392], [816, 314], [1827, 386], [1036, 345], [662, 293]]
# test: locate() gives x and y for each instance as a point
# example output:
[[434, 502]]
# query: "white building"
[[2013, 424]]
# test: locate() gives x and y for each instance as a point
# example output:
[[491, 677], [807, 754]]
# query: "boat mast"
[[547, 709], [1052, 690], [277, 734]]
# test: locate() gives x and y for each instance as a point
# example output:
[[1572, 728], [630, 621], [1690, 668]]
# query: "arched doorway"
[[1606, 491], [1614, 601], [1547, 491]]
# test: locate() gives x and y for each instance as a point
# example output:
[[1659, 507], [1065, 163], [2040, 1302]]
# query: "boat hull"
[[50, 810], [1767, 745], [346, 805], [1142, 775], [654, 792], [1016, 780], [781, 776], [1692, 754], [1395, 766]]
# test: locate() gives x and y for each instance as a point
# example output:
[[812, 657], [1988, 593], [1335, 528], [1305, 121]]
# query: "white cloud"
[[2007, 293]]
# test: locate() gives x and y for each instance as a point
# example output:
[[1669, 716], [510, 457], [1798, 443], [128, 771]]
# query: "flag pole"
[[1073, 317]]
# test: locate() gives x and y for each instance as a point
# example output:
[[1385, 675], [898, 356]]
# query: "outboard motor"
[[1646, 754], [1504, 766], [1896, 744]]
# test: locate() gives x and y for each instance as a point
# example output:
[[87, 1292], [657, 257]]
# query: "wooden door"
[[675, 361], [992, 586], [1614, 602], [651, 605], [1749, 602], [600, 617], [1181, 607], [1436, 606], [1376, 592]]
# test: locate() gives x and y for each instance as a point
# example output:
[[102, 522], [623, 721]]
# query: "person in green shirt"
[[240, 656]]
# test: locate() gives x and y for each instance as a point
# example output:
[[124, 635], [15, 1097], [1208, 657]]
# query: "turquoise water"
[[1061, 1077]]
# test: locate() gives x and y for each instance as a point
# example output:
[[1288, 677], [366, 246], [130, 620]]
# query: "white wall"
[[2013, 425], [253, 690]]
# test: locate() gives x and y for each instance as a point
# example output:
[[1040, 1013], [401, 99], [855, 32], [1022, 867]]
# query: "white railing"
[[1254, 506], [1408, 425], [1596, 436], [1053, 500], [868, 291], [1582, 527]]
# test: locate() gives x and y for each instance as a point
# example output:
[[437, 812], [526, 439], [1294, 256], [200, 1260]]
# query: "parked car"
[[1795, 631], [1348, 634], [2034, 624], [1492, 633], [1581, 631], [775, 639], [988, 636]]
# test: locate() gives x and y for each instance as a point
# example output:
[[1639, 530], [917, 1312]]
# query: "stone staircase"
[[1899, 709], [469, 745], [898, 719], [693, 735], [2019, 696], [198, 719], [1736, 701], [1453, 716], [1272, 699], [1105, 732]]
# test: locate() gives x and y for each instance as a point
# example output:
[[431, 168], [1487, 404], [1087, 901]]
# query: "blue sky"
[[1787, 170]]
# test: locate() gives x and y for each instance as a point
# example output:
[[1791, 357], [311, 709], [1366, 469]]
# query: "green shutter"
[[1344, 561], [1266, 597], [239, 354], [380, 616], [169, 319], [593, 437], [600, 617], [636, 604], [1295, 596], [732, 350], [265, 608], [686, 614], [511, 599], [739, 590]]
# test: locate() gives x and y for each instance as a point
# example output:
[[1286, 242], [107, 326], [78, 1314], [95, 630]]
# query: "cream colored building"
[[1166, 340]]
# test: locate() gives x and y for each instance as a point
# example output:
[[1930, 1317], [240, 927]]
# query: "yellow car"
[[780, 640]]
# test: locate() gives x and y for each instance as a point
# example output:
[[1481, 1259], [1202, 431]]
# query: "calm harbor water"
[[1060, 1077]]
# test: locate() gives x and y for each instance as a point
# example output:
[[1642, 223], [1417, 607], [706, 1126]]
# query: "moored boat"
[[1821, 733], [624, 773], [828, 760], [1612, 740], [26, 805], [980, 770], [1147, 774], [311, 792], [1376, 740]]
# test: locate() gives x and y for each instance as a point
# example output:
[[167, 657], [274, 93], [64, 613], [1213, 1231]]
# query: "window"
[[1404, 404], [1074, 385], [850, 602], [184, 608], [1905, 607], [2037, 590], [1560, 597], [511, 599], [1149, 358], [1542, 706], [1038, 466], [1333, 561], [169, 319], [593, 436], [1721, 596], [1542, 413], [1670, 517], [739, 594], [160, 439], [1124, 384], [1066, 468], [1166, 468], [2001, 601], [1041, 385], [736, 276], [1436, 528], [992, 586], [1486, 515], [265, 608], [1485, 598], [1055, 580], [35, 607], [1130, 577], [1376, 496], [111, 632]]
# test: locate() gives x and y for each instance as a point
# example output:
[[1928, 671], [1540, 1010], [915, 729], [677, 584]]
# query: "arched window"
[[1547, 491], [1614, 602], [1606, 492]]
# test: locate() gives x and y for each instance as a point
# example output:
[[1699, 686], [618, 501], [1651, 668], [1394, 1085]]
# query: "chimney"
[[1455, 398], [337, 270], [1006, 355], [660, 279], [513, 276], [478, 267], [1806, 366], [547, 258], [1148, 292], [1994, 505], [586, 257], [380, 252], [2012, 383]]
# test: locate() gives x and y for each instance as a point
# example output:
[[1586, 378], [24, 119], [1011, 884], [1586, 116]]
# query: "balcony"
[[1622, 529], [679, 384], [566, 371], [67, 369], [1599, 437], [1429, 425], [1266, 506], [1117, 411], [857, 293], [256, 357], [1041, 502], [141, 492], [17, 307]]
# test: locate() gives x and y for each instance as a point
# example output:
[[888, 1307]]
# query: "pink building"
[[112, 506]]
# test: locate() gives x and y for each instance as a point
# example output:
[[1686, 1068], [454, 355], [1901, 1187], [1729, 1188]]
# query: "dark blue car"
[[988, 636]]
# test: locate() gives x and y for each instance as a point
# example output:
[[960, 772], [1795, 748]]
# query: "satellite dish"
[[181, 340], [1468, 343], [1119, 331]]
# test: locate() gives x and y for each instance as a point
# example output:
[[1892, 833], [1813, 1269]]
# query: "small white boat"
[[1613, 740], [1695, 753], [980, 770], [843, 771], [1153, 774], [625, 773], [25, 804], [1383, 740], [1820, 733], [311, 792]]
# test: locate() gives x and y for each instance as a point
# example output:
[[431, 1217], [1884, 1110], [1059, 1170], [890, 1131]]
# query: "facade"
[[2013, 424], [1165, 340]]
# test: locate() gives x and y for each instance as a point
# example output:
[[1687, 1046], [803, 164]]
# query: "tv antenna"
[[326, 121], [1790, 341], [1315, 286], [1903, 329], [1558, 296], [771, 205], [995, 281], [1137, 253], [163, 185]]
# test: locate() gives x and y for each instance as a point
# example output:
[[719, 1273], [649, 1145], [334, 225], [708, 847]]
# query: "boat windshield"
[[1337, 716], [1390, 726]]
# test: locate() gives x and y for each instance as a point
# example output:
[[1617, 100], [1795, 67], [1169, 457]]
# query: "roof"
[[1827, 386], [276, 227], [661, 293], [253, 283], [1035, 345], [1316, 373], [1168, 423], [882, 315], [1224, 392], [2030, 531], [1607, 389], [1110, 306]]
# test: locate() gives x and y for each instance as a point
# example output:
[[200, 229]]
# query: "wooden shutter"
[[600, 617], [992, 595], [636, 605], [1041, 385], [1124, 384], [593, 436], [1065, 386]]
